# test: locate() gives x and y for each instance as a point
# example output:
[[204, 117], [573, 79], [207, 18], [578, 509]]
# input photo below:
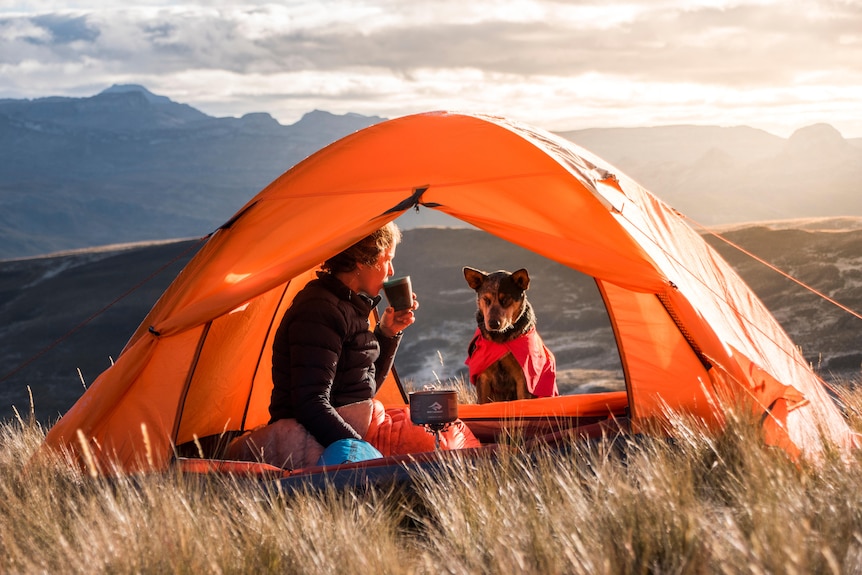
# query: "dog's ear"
[[475, 278], [521, 279]]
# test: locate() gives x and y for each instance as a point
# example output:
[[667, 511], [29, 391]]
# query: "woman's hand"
[[393, 321]]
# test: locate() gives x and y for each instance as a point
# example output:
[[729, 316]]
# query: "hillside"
[[44, 299]]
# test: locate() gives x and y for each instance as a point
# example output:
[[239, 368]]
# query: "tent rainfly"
[[690, 332]]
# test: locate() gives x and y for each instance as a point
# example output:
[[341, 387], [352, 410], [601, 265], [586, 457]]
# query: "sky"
[[778, 65]]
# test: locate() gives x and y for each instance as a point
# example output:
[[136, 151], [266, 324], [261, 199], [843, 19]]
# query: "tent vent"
[[414, 201], [665, 302]]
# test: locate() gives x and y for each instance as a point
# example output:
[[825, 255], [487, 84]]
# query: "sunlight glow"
[[233, 278]]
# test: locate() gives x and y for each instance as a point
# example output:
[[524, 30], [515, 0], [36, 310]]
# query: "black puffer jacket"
[[324, 356]]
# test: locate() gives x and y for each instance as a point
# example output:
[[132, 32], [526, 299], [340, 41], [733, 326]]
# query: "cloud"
[[61, 30], [394, 56], [742, 45]]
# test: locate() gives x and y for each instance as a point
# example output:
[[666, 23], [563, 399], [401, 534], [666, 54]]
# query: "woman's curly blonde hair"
[[365, 251]]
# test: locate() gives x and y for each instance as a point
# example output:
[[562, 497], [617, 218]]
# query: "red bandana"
[[535, 359]]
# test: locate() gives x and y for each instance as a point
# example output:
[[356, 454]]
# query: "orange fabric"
[[579, 405], [199, 363], [654, 353], [244, 468], [392, 433], [537, 362]]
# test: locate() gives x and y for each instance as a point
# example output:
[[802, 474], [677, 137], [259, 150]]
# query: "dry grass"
[[705, 503]]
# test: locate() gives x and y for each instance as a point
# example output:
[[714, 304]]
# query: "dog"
[[507, 358]]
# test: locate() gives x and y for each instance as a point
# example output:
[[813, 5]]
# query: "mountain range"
[[720, 176], [127, 165]]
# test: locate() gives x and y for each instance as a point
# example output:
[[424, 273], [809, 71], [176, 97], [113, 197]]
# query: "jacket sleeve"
[[388, 347], [316, 338]]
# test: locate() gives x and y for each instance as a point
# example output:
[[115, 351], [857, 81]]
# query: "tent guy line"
[[779, 271]]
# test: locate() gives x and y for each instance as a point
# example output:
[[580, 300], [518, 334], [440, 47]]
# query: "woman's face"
[[371, 277]]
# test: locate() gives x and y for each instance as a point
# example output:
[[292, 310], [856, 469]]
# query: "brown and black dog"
[[506, 357]]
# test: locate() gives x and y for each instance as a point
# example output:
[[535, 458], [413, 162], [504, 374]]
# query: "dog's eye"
[[487, 301]]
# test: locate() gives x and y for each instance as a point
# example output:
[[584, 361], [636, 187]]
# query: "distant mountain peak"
[[323, 116], [136, 88], [817, 131], [318, 120], [318, 113], [259, 117], [259, 121], [821, 139]]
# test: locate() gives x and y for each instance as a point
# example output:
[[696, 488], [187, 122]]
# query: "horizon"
[[769, 65], [813, 224]]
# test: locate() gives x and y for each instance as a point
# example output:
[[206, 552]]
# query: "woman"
[[326, 363], [324, 356]]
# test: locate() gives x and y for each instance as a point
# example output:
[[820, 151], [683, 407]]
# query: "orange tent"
[[688, 329]]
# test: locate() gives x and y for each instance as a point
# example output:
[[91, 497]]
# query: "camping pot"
[[434, 406]]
